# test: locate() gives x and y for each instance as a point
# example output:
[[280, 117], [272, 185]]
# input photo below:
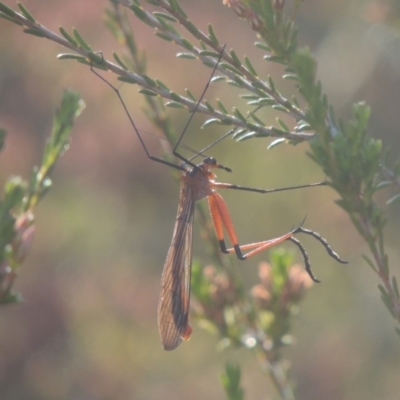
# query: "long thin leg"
[[221, 219], [150, 156], [174, 151], [220, 185]]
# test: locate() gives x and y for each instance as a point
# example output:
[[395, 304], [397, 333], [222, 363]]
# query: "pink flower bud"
[[22, 241]]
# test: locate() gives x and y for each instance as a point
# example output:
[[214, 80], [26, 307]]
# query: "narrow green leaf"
[[188, 56], [190, 95], [254, 103], [119, 61], [208, 53], [86, 62], [235, 59], [211, 34], [192, 29], [382, 185], [282, 125], [259, 85], [230, 67], [35, 32], [149, 81], [177, 8], [8, 18], [279, 107], [186, 44], [250, 66], [388, 303], [303, 127], [173, 104], [26, 13], [97, 60], [256, 119], [70, 56], [217, 78], [238, 133], [80, 40], [71, 106], [226, 121], [382, 290], [166, 25], [246, 136], [15, 190], [209, 106], [395, 199], [164, 36], [7, 10], [162, 85], [292, 77], [163, 15], [296, 102], [232, 82], [147, 92], [230, 380], [262, 46], [67, 36], [275, 143], [271, 84], [266, 101], [139, 12], [128, 79], [276, 59], [211, 121], [221, 106], [239, 81], [249, 96], [175, 96], [239, 115]]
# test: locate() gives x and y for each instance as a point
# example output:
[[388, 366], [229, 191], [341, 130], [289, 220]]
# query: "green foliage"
[[230, 380], [20, 197], [58, 142]]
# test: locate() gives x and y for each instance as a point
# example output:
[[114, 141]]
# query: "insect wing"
[[173, 306]]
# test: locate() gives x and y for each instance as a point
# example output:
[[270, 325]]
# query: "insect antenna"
[[178, 141], [143, 144], [174, 152]]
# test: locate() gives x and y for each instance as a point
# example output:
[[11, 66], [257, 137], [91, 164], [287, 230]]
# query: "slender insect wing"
[[173, 306]]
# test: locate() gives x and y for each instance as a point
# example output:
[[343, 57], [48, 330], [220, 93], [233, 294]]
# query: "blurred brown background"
[[87, 328]]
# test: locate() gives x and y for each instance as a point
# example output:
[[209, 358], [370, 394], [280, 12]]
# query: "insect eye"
[[210, 160]]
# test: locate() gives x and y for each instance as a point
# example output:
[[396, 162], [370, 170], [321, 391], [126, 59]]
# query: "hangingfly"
[[198, 182]]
